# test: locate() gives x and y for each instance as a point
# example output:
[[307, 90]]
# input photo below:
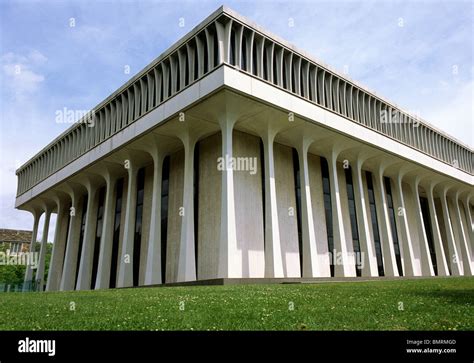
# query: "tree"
[[15, 273]]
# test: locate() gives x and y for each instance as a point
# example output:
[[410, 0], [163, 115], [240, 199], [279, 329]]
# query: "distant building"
[[236, 155], [17, 241]]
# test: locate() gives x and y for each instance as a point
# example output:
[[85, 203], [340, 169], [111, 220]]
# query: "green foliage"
[[415, 304], [12, 274], [15, 274]]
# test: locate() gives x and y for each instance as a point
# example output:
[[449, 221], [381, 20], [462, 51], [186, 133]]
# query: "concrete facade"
[[232, 152]]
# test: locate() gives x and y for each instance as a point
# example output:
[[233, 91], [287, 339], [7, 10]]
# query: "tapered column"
[[454, 257], [441, 262], [310, 255], [187, 259], [87, 252], [125, 278], [365, 237], [59, 245], [230, 259], [153, 261], [465, 250], [426, 263], [401, 220], [343, 266], [72, 246], [223, 41], [107, 235], [29, 267], [389, 262], [273, 256], [469, 225], [44, 246]]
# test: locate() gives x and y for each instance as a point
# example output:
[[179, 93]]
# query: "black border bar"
[[243, 345]]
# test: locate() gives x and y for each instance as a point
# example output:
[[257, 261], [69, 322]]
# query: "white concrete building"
[[236, 155]]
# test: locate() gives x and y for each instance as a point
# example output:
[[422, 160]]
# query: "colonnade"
[[450, 217]]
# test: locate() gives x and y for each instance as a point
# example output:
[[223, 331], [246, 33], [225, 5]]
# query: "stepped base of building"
[[300, 280]]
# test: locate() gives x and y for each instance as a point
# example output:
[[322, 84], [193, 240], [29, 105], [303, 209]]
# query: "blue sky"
[[419, 54]]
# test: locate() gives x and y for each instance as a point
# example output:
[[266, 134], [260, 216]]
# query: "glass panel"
[[328, 211], [375, 225]]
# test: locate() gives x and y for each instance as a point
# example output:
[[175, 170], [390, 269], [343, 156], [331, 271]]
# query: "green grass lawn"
[[428, 304]]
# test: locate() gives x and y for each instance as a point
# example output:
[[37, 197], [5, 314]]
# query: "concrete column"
[[29, 269], [401, 221], [310, 255], [469, 226], [386, 240], [273, 256], [454, 257], [125, 268], [87, 252], [441, 263], [467, 221], [70, 260], [153, 261], [468, 266], [107, 236], [230, 260], [59, 245], [186, 258], [426, 263], [343, 264], [365, 237], [44, 245]]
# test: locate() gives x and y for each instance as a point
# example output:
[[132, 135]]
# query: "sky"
[[73, 54]]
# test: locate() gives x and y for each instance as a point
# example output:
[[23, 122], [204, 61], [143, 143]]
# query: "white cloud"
[[37, 57], [20, 76]]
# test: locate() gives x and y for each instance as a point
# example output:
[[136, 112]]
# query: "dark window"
[[125, 109], [425, 211], [196, 203], [164, 214], [375, 225], [262, 180], [169, 79], [159, 89], [274, 61], [292, 75], [116, 237], [81, 236], [327, 93], [131, 110], [216, 47], [186, 67], [254, 58], [178, 72], [206, 55], [393, 225], [244, 54], [320, 91], [196, 63], [138, 225], [67, 234], [98, 234], [353, 215], [265, 66], [296, 172], [145, 95], [302, 81], [328, 211], [232, 47]]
